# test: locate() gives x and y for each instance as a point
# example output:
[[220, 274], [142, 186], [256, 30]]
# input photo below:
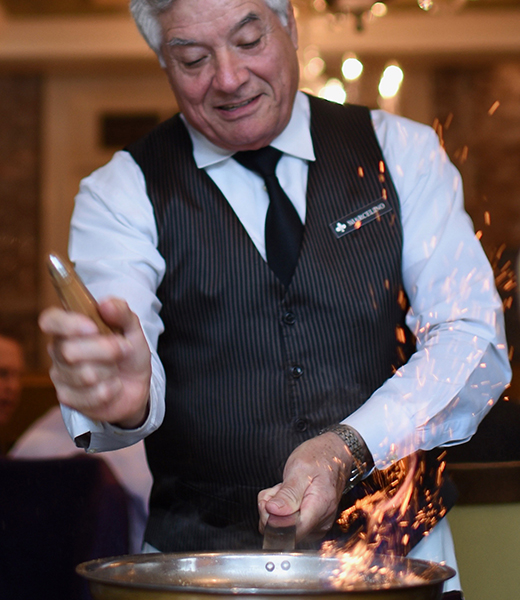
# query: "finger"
[[102, 349], [57, 322], [317, 513], [288, 497], [263, 497], [77, 374], [96, 401], [117, 313]]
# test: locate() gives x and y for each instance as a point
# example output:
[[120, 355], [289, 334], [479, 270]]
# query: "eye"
[[253, 44], [187, 56], [193, 63]]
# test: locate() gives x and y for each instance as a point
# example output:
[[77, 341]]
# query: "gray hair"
[[146, 12]]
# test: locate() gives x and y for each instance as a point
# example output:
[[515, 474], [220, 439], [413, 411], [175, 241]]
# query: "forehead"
[[195, 20], [10, 354]]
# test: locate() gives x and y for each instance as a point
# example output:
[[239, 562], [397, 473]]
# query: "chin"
[[250, 141]]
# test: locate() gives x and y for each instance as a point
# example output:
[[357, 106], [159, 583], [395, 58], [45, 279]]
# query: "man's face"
[[233, 69], [11, 366]]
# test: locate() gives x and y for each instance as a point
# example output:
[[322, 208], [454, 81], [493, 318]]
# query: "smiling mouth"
[[232, 107]]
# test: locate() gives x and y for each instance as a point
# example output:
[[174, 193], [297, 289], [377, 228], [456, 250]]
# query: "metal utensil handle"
[[280, 533]]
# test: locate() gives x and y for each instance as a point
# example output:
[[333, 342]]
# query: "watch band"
[[362, 462]]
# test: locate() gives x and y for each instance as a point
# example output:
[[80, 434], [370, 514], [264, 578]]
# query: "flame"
[[381, 521]]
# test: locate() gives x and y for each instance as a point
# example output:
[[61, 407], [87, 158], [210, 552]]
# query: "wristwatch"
[[362, 463]]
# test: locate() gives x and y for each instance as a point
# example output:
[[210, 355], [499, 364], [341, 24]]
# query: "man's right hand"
[[104, 377]]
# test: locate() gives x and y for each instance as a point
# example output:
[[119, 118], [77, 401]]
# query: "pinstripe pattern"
[[229, 349]]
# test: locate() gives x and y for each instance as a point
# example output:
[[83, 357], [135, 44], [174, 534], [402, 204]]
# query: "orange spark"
[[493, 108], [500, 251], [400, 335], [440, 134], [401, 299]]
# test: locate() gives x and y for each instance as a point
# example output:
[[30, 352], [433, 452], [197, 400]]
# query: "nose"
[[231, 72]]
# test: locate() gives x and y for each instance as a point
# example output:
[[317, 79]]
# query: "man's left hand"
[[313, 481]]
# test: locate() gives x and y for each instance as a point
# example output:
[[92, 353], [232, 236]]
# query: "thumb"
[[287, 499], [116, 313]]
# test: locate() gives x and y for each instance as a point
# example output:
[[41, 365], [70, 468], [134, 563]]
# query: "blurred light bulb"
[[334, 91], [314, 68], [310, 52], [379, 9], [351, 68], [425, 4], [390, 81], [320, 5]]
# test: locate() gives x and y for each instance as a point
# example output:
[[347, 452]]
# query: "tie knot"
[[262, 161]]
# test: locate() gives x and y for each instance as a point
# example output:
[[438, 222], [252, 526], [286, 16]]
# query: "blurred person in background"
[[11, 369]]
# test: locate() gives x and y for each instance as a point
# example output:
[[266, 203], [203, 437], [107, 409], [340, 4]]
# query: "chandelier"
[[360, 8], [357, 8]]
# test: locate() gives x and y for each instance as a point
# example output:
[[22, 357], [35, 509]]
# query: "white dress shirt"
[[461, 365]]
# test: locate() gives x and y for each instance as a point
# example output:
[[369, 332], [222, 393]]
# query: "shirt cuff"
[[97, 436]]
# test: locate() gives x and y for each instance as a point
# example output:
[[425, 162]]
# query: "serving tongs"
[[280, 533]]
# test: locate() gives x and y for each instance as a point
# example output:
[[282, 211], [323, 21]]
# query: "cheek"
[[281, 78], [188, 91]]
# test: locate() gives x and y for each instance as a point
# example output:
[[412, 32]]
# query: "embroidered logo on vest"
[[356, 219]]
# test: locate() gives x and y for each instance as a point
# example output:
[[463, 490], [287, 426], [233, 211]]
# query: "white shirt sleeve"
[[113, 243], [461, 365]]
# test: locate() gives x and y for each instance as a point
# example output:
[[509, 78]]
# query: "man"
[[257, 364], [11, 368]]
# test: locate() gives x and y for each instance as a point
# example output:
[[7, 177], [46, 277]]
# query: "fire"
[[385, 520]]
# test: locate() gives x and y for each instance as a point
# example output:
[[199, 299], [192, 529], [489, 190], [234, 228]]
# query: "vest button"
[[289, 318], [301, 425], [296, 371]]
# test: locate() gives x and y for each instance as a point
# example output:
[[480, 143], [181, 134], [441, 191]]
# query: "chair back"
[[55, 514]]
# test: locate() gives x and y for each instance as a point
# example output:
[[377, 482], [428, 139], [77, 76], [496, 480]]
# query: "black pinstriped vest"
[[253, 369]]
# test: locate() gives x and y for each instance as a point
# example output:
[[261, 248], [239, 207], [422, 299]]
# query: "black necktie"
[[283, 227]]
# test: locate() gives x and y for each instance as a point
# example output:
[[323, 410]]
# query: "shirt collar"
[[295, 139]]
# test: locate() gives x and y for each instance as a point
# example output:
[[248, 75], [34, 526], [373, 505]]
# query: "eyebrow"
[[249, 18]]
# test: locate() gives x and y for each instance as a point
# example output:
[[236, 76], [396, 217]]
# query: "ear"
[[291, 26]]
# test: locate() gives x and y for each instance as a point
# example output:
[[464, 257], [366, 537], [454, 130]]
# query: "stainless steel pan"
[[258, 575]]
